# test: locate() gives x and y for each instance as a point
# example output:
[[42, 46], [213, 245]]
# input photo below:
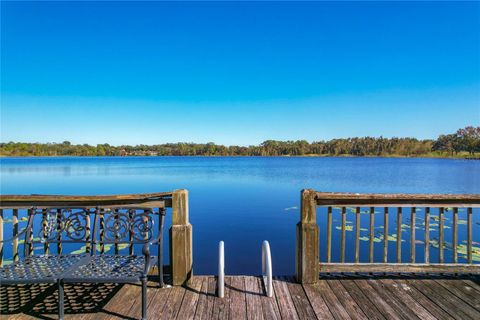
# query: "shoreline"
[[459, 157]]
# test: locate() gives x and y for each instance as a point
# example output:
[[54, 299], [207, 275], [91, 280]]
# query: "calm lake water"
[[244, 200]]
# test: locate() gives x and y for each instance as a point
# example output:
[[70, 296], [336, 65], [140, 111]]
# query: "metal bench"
[[111, 226]]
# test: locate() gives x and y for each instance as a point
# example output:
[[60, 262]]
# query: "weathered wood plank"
[[190, 299], [317, 302], [455, 307], [300, 300], [221, 306], [159, 298], [377, 299], [368, 308], [284, 300], [269, 304], [172, 305], [399, 268], [238, 302], [428, 304], [206, 300], [397, 291], [350, 305], [463, 292], [336, 308], [254, 304], [403, 310]]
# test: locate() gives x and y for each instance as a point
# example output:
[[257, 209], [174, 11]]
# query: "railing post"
[[307, 240], [180, 239]]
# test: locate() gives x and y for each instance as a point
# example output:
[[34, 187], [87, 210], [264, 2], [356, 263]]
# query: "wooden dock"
[[331, 298]]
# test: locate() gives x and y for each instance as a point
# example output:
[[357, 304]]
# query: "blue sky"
[[237, 73]]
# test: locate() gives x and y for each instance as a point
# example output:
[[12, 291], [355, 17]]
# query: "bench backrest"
[[58, 226], [127, 226]]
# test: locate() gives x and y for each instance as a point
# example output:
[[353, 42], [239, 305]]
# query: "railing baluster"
[[440, 235], [372, 230], [455, 235], [385, 235], [412, 234], [469, 235], [342, 245], [1, 237], [427, 235], [357, 235], [15, 233], [399, 234]]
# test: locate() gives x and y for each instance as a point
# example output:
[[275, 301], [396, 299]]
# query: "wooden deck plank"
[[300, 300], [173, 303], [254, 304], [317, 302], [446, 302], [238, 302], [368, 308], [336, 308], [475, 284], [398, 291], [378, 300], [463, 292], [221, 306], [269, 304], [284, 300], [205, 302], [353, 309], [192, 294], [157, 302], [394, 302], [428, 304], [443, 298]]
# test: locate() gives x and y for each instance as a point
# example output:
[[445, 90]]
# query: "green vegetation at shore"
[[465, 143]]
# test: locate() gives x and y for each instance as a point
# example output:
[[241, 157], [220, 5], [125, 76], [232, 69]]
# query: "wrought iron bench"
[[118, 227]]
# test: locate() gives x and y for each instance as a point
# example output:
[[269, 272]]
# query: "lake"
[[244, 200]]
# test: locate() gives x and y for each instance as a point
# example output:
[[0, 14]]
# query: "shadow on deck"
[[335, 297]]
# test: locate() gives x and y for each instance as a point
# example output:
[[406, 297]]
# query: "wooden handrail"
[[66, 200], [397, 199], [308, 265]]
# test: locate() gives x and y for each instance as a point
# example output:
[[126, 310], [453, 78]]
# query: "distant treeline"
[[464, 142]]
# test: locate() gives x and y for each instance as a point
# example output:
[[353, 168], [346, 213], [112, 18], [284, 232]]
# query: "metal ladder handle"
[[221, 270], [267, 268]]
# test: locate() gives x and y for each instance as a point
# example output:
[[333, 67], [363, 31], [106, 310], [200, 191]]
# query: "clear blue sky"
[[237, 73]]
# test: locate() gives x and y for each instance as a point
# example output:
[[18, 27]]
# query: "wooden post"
[[307, 262], [180, 239]]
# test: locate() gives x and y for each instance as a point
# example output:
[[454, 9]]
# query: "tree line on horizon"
[[464, 141]]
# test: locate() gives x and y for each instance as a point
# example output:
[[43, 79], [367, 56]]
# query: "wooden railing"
[[15, 209], [406, 209]]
